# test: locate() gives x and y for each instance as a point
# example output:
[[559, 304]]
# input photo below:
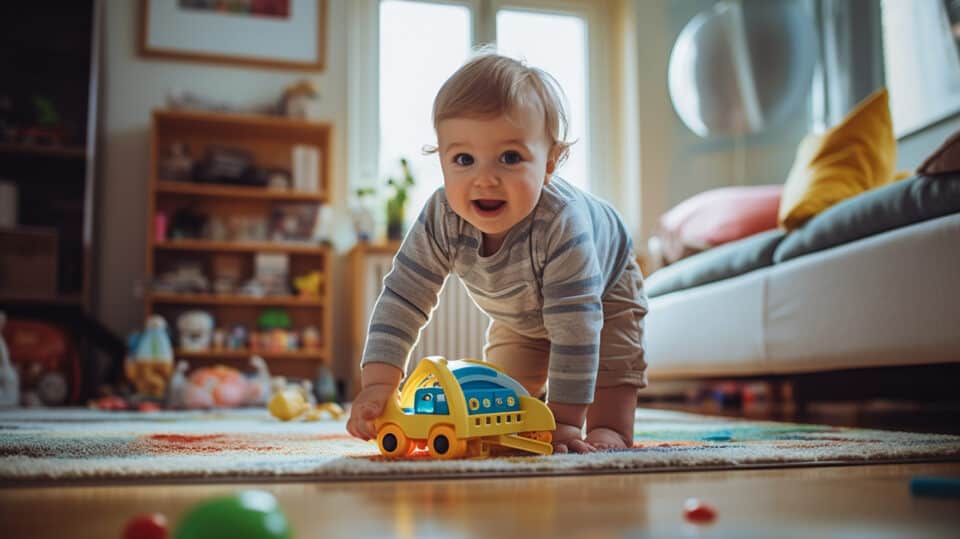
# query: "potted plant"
[[396, 204]]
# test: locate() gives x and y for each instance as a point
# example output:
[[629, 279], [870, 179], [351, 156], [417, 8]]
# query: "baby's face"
[[494, 168]]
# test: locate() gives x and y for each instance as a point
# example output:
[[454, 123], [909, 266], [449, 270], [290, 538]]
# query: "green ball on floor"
[[249, 514]]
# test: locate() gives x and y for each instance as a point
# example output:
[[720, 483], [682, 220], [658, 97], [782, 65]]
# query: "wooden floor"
[[857, 501]]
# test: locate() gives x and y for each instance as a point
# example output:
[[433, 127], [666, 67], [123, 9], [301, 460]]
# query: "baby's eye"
[[510, 157], [463, 159]]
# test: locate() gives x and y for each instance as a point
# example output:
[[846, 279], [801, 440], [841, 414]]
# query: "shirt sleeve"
[[411, 288], [572, 308]]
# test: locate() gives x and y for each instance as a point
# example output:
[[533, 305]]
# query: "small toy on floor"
[[146, 526], [463, 408], [219, 386], [935, 487], [253, 514], [290, 402], [698, 512], [248, 513]]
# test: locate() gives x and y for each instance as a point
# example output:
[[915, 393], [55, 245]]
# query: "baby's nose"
[[487, 175]]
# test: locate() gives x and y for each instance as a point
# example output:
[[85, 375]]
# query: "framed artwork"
[[280, 34]]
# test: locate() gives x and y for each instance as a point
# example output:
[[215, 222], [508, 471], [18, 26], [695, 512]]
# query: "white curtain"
[[851, 59], [921, 61]]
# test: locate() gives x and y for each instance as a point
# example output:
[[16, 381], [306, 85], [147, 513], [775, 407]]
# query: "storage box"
[[28, 261]]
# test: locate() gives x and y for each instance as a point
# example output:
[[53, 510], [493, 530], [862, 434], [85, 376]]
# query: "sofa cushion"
[[944, 159], [716, 217], [725, 261], [854, 156], [899, 204]]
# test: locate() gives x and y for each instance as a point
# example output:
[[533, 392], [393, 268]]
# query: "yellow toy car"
[[463, 408]]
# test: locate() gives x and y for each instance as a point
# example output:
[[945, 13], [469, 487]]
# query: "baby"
[[550, 264]]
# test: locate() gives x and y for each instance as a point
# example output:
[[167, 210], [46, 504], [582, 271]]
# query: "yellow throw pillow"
[[856, 155]]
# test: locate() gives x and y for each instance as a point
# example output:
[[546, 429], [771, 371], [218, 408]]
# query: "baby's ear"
[[552, 158]]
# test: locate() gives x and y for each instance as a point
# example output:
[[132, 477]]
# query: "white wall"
[[134, 86]]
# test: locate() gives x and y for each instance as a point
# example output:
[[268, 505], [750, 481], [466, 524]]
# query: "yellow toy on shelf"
[[309, 284], [463, 408]]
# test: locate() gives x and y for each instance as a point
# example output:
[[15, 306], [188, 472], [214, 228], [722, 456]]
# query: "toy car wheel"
[[444, 443], [393, 442]]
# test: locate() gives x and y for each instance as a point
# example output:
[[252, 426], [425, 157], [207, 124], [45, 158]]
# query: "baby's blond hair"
[[492, 85]]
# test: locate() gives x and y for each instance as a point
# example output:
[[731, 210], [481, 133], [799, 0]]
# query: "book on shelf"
[[307, 161], [271, 272]]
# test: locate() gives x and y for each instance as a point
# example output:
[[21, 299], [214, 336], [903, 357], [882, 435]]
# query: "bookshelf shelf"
[[230, 299], [73, 152], [243, 354], [272, 144], [242, 247], [225, 191]]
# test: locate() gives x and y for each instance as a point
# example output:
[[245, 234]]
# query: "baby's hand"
[[367, 407], [569, 438]]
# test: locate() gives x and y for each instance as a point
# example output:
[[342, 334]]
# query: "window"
[[920, 48], [532, 36], [422, 42]]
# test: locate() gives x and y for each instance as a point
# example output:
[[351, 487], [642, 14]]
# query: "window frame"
[[363, 82]]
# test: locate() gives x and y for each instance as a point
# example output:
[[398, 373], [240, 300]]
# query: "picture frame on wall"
[[290, 34]]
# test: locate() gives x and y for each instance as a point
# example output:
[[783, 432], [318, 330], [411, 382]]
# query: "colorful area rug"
[[84, 444]]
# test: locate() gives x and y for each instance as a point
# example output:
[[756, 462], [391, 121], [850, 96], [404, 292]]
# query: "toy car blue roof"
[[471, 375]]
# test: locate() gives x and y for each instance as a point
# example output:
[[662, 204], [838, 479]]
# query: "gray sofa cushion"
[[718, 263], [899, 204]]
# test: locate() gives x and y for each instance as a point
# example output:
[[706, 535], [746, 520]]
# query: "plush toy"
[[151, 365], [220, 386], [176, 393], [260, 382], [9, 380], [310, 339], [196, 330]]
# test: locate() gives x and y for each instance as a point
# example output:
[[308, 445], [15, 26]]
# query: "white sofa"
[[891, 299]]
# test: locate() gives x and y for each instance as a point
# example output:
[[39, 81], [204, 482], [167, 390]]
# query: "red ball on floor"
[[696, 511], [146, 526]]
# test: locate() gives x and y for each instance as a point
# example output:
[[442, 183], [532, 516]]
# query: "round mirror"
[[741, 67]]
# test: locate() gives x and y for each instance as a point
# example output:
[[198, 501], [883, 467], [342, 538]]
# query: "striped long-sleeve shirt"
[[546, 281]]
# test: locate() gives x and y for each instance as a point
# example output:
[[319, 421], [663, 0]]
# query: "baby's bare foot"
[[604, 439]]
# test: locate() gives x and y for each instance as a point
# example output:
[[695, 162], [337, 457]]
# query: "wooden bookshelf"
[[270, 142], [234, 299], [244, 354], [241, 247], [39, 299], [72, 152], [226, 191]]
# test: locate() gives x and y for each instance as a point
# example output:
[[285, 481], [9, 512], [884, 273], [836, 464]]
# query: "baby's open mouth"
[[486, 204]]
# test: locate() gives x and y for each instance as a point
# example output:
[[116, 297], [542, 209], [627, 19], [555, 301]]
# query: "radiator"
[[457, 328]]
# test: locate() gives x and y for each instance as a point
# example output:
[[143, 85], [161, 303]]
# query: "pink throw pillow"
[[718, 216]]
